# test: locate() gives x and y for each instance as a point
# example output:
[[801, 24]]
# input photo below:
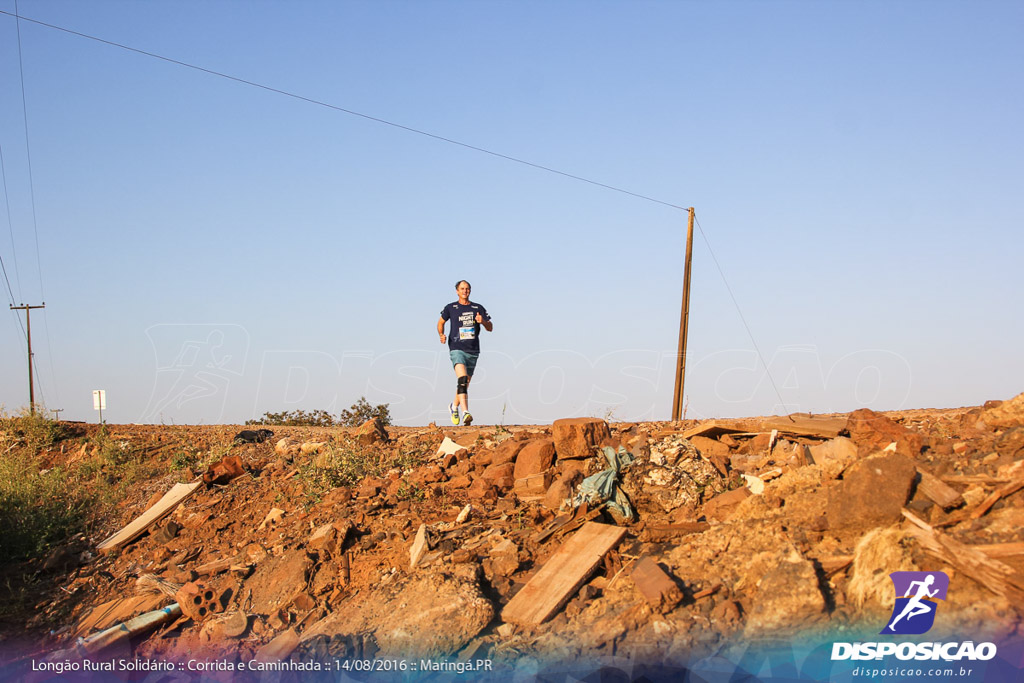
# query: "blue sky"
[[209, 250]]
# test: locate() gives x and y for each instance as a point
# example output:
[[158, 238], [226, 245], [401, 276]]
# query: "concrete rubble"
[[732, 532]]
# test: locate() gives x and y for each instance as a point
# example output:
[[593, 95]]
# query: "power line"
[[35, 220], [10, 225], [3, 267], [351, 112], [28, 153], [379, 120], [740, 313]]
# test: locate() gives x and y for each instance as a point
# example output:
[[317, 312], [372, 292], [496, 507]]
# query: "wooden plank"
[[158, 511], [117, 610], [990, 573], [802, 423], [665, 532], [562, 575], [1004, 490], [1011, 549], [712, 428], [943, 495], [974, 479]]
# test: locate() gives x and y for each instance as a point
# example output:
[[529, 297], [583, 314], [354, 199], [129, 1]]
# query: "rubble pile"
[[574, 540]]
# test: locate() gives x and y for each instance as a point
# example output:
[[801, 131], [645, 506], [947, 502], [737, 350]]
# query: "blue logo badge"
[[917, 594]]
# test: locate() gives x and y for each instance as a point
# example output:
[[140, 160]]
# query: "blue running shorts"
[[465, 358]]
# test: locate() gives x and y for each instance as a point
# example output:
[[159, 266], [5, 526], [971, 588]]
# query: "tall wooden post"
[[684, 320], [28, 334]]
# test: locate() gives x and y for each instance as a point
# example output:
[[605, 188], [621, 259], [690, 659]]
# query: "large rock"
[[1006, 414], [722, 505], [834, 455], [872, 432], [432, 615], [561, 489], [277, 580], [498, 472], [536, 457], [786, 597], [578, 437], [506, 452], [372, 431], [287, 447], [872, 492]]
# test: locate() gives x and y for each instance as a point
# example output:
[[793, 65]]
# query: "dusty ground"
[[760, 536]]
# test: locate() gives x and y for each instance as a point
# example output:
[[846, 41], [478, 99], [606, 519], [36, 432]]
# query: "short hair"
[[461, 281]]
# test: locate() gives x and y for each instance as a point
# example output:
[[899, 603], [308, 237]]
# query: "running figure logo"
[[916, 601]]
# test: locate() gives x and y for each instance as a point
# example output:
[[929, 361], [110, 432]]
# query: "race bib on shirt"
[[467, 333]]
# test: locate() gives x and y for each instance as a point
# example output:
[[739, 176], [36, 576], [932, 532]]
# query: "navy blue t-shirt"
[[464, 334]]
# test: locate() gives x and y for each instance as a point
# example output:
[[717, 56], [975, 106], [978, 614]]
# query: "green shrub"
[[341, 464], [410, 491], [32, 431], [361, 411], [295, 418], [358, 413], [184, 460], [38, 508]]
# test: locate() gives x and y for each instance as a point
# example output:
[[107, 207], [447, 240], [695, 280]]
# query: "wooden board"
[[158, 511], [802, 423], [1012, 549], [994, 497], [713, 428], [937, 491], [118, 610], [999, 578], [562, 575]]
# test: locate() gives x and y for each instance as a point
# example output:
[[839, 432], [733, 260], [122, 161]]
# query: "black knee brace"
[[463, 385]]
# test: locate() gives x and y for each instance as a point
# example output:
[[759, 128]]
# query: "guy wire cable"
[[738, 311], [10, 226], [32, 195], [28, 153], [351, 112]]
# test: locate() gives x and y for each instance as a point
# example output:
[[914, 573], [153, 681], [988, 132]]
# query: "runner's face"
[[463, 290]]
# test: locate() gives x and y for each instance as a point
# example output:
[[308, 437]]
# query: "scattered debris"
[[771, 535]]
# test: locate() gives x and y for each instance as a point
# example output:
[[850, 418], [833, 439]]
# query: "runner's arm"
[[440, 329]]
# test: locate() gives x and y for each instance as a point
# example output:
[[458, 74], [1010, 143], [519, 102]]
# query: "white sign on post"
[[99, 402]]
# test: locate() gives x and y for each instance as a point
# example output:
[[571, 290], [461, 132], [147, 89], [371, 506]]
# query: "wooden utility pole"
[[684, 320], [28, 334]]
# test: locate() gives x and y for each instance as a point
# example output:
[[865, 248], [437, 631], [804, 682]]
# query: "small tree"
[[296, 418], [361, 411]]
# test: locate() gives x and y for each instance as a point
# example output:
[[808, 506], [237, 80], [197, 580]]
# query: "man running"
[[463, 345]]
